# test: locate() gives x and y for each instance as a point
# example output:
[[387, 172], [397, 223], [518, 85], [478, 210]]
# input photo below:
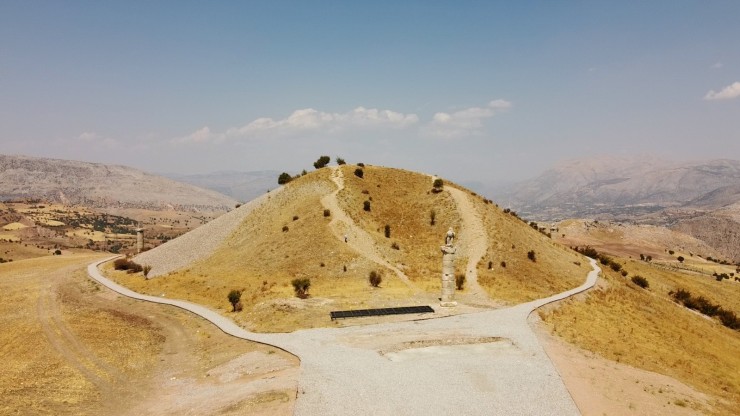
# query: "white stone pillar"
[[139, 240], [448, 276]]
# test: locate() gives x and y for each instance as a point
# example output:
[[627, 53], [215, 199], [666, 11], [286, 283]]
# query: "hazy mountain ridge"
[[100, 185], [617, 187], [701, 199], [242, 186]]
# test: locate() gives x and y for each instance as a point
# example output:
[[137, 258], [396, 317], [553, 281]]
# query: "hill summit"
[[335, 226]]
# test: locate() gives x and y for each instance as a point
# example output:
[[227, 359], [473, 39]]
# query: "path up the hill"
[[474, 241], [358, 239]]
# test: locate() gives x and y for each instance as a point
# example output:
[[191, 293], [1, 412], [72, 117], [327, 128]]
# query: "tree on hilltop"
[[284, 178], [323, 161]]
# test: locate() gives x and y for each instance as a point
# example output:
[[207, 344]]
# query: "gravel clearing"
[[179, 253], [343, 371]]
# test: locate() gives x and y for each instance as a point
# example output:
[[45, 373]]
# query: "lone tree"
[[323, 161], [437, 185], [301, 286], [374, 278], [460, 281], [234, 297], [284, 178], [680, 259], [340, 161]]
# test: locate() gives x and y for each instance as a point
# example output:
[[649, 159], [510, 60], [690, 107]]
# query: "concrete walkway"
[[487, 363]]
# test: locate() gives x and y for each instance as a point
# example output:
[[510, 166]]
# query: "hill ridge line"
[[179, 253]]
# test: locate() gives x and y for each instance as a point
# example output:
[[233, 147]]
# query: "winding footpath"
[[485, 363], [358, 239], [474, 239]]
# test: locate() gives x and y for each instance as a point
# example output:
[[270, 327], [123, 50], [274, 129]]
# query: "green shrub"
[[146, 269], [490, 265], [460, 281], [387, 231], [375, 278], [234, 297], [729, 319], [437, 185], [327, 213], [340, 161], [395, 246], [321, 162], [295, 218], [588, 252], [615, 266], [640, 281], [359, 173], [128, 265], [301, 286], [285, 228], [532, 256], [503, 264], [284, 178], [366, 205], [432, 217]]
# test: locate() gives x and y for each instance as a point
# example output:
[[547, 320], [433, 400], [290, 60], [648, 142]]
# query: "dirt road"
[[71, 346]]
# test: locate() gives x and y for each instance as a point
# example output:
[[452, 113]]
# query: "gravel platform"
[[486, 363]]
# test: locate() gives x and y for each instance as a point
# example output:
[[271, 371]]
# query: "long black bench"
[[357, 313]]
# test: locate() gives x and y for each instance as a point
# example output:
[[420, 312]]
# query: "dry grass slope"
[[289, 237], [646, 329]]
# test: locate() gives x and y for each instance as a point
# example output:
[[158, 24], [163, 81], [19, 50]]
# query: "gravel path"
[[485, 363]]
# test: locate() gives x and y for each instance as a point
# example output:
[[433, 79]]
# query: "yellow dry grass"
[[646, 329], [70, 347], [14, 226], [556, 269], [289, 237]]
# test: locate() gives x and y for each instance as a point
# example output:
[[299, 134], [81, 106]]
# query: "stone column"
[[139, 240], [448, 276]]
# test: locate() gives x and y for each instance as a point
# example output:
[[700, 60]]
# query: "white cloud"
[[94, 139], [306, 120], [203, 135], [729, 92], [309, 119], [464, 122]]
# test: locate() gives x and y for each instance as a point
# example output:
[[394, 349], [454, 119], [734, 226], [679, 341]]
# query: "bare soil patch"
[[604, 387]]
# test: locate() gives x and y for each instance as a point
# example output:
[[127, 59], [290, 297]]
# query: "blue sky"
[[487, 91]]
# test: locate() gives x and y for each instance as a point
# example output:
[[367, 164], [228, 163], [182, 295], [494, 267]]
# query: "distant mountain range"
[[242, 186], [699, 198], [101, 186]]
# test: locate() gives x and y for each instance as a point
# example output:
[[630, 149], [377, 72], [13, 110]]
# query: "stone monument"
[[139, 239], [448, 270]]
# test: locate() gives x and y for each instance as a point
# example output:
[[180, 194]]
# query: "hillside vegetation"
[[647, 328], [299, 233]]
